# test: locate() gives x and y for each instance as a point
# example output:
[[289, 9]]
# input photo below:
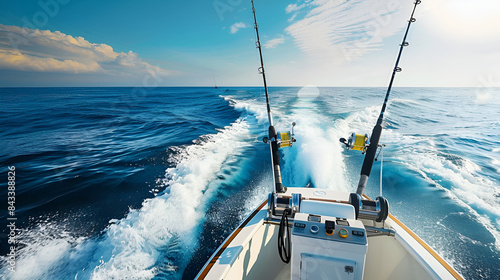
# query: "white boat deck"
[[251, 252]]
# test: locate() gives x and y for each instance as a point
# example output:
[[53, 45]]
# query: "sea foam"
[[133, 246]]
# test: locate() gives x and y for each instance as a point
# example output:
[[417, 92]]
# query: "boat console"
[[327, 241], [326, 247]]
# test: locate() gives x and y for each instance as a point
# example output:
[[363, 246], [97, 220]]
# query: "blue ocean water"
[[146, 183]]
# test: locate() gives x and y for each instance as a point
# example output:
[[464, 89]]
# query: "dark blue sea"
[[145, 183]]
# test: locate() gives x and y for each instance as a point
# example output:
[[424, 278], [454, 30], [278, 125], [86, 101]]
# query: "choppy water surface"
[[115, 182]]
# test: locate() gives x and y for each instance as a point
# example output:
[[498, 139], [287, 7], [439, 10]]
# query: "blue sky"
[[312, 42]]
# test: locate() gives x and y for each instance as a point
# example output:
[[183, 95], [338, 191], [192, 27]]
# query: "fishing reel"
[[278, 205], [356, 142], [284, 139], [376, 210], [282, 208]]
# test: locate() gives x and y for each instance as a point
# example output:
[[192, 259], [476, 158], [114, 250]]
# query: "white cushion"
[[332, 209]]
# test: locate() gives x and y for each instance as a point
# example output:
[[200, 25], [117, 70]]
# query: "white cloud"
[[273, 43], [24, 49], [294, 7], [237, 26], [15, 60], [345, 30]]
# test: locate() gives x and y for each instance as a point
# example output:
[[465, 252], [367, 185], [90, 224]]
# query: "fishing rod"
[[371, 150], [273, 137]]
